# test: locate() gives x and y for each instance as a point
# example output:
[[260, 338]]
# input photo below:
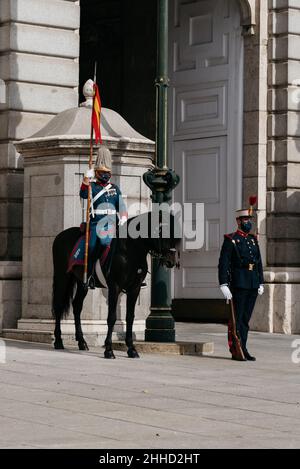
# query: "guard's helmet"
[[103, 161]]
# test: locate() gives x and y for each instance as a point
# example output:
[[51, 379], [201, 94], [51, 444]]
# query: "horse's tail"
[[62, 295], [63, 283]]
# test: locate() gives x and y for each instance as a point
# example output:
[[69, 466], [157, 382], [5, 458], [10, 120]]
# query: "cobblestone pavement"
[[73, 399]]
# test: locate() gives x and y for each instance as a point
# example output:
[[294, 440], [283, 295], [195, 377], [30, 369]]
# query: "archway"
[[247, 9]]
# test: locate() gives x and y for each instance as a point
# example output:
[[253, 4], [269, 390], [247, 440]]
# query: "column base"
[[10, 293], [278, 309], [160, 335], [160, 326]]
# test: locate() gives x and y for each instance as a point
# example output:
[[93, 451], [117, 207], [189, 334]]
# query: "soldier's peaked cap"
[[243, 213]]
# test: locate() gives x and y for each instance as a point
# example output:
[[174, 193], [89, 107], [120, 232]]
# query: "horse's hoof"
[[109, 354], [132, 353], [58, 345], [82, 345]]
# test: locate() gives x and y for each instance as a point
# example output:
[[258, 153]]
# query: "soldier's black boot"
[[249, 357]]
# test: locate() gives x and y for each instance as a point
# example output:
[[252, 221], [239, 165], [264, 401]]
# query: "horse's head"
[[160, 234], [165, 239], [167, 256]]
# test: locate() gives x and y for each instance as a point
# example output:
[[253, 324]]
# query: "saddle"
[[101, 267]]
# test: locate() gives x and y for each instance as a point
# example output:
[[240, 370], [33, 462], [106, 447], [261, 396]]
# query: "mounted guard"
[[104, 200], [125, 266], [106, 204]]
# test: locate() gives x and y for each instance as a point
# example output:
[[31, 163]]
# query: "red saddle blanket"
[[77, 255]]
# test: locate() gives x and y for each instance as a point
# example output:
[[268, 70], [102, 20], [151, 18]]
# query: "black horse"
[[125, 273]]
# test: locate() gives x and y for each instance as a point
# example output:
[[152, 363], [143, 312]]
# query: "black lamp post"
[[161, 180]]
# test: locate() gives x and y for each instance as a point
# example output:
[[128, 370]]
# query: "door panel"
[[205, 126], [202, 163]]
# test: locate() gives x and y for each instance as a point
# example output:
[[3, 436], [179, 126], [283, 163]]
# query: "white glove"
[[261, 290], [122, 221], [226, 292], [89, 174]]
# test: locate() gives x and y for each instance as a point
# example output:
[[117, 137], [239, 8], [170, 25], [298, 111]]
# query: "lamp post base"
[[160, 326]]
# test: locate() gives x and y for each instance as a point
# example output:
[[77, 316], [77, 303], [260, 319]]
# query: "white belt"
[[105, 212]]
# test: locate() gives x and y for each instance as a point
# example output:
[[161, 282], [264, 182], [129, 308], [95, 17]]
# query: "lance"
[[89, 199]]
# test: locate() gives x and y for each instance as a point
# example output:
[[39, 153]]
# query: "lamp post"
[[160, 325]]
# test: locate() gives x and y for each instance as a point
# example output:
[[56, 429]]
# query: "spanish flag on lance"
[[96, 115]]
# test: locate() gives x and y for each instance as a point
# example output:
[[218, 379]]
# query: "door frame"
[[234, 134]]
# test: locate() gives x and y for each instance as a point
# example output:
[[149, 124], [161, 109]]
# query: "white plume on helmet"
[[103, 161]]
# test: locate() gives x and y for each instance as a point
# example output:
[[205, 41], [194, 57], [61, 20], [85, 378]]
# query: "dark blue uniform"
[[110, 201], [240, 267]]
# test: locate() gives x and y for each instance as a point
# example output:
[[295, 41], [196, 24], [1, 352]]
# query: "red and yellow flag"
[[96, 115]]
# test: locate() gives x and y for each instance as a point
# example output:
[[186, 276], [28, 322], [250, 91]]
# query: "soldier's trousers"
[[244, 302]]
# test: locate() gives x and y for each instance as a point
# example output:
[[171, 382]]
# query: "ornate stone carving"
[[88, 93]]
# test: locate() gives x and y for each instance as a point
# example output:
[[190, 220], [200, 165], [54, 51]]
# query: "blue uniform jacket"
[[240, 264], [112, 199]]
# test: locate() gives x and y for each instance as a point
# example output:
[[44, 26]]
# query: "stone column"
[[39, 50], [55, 160], [283, 196], [255, 132]]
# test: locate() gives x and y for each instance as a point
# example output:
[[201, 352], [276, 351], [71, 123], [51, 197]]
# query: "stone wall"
[[284, 134], [279, 309], [39, 50], [39, 63]]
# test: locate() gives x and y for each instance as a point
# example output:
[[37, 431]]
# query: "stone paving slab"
[[73, 399]]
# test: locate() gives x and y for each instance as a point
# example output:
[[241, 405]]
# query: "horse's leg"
[[132, 296], [81, 293], [113, 295], [58, 343], [62, 294]]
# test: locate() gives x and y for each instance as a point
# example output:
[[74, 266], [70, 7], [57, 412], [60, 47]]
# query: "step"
[[44, 337], [177, 348]]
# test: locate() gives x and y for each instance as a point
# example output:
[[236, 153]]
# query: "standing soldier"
[[241, 277]]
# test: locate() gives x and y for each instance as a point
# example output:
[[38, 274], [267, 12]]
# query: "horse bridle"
[[161, 256]]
